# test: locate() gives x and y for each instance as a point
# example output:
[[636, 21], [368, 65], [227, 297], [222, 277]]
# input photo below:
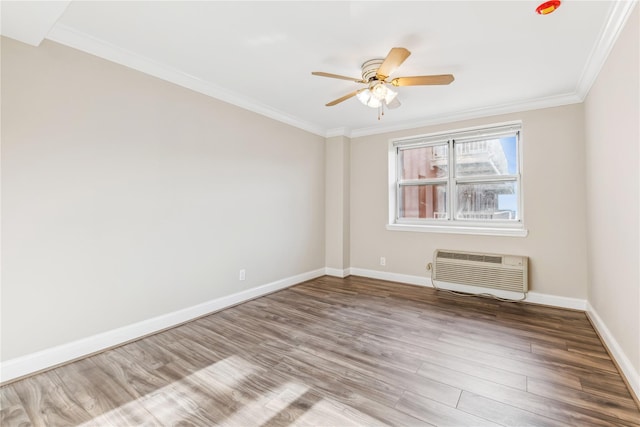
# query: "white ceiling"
[[260, 55]]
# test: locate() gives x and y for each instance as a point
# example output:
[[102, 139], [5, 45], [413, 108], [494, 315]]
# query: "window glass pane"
[[487, 201], [423, 201], [424, 162], [488, 157]]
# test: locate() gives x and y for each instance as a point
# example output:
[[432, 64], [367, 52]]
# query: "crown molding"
[[618, 15], [89, 44], [493, 110]]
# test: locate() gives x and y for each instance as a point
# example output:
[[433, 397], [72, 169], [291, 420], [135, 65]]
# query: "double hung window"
[[464, 180]]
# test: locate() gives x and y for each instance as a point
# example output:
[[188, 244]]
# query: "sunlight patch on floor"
[[260, 411], [329, 412], [186, 398]]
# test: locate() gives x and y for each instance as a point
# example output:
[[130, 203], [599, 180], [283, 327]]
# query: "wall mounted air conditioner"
[[492, 271]]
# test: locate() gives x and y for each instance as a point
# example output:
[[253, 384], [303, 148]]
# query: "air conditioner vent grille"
[[470, 257], [504, 272]]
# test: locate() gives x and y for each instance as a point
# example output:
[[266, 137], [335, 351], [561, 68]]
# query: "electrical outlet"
[[242, 274], [383, 261]]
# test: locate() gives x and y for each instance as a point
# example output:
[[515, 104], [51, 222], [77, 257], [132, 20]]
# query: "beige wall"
[[612, 117], [337, 183], [125, 197], [554, 201]]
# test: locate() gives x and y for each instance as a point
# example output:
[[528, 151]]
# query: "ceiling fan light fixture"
[[377, 94], [379, 90], [393, 104], [368, 98], [390, 96]]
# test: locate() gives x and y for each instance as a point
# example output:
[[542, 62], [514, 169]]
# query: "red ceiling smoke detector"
[[548, 7]]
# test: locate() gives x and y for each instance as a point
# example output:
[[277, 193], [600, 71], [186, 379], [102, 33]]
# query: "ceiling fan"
[[375, 74]]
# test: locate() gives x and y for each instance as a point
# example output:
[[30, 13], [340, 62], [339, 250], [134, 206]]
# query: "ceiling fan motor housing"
[[370, 69]]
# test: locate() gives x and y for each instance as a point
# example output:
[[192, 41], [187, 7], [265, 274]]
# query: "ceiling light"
[[548, 7], [379, 90], [376, 94], [390, 96], [367, 98]]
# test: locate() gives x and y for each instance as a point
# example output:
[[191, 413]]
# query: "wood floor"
[[342, 352]]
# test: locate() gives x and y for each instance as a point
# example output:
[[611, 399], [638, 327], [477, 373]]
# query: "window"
[[462, 181]]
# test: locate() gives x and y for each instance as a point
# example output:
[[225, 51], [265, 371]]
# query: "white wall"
[[612, 119], [554, 205], [125, 197]]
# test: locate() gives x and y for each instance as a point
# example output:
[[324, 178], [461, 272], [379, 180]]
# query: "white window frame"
[[450, 224]]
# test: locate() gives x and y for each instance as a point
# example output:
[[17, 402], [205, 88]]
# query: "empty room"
[[320, 213]]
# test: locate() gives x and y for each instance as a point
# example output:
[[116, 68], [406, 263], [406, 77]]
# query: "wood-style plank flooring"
[[343, 352]]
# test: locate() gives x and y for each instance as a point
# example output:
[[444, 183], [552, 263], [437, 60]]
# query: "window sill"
[[483, 231]]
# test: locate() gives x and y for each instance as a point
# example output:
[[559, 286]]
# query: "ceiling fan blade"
[[336, 76], [441, 79], [394, 59], [344, 98]]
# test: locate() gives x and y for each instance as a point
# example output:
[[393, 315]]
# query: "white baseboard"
[[532, 297], [393, 277], [34, 362], [556, 301], [632, 376], [336, 272]]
